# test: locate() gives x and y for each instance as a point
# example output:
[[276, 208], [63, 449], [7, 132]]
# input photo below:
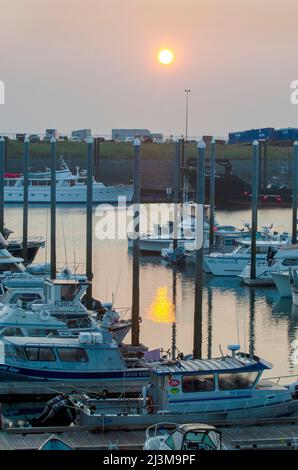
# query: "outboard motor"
[[59, 411]]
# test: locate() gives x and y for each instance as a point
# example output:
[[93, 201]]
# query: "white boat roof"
[[240, 361], [263, 242], [38, 341]]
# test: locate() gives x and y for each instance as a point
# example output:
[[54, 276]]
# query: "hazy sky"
[[73, 64]]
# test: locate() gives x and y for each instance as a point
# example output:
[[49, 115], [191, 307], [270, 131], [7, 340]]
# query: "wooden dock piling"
[[53, 209], [200, 200], [294, 197], [254, 209], [135, 314], [89, 225], [2, 158], [212, 196], [25, 199]]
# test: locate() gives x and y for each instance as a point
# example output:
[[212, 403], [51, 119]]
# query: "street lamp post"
[[186, 114]]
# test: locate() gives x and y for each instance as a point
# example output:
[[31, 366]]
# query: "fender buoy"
[[150, 407]]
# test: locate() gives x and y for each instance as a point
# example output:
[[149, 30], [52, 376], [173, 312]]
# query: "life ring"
[[150, 405]]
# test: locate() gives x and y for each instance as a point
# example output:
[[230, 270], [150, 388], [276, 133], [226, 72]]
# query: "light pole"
[[186, 114]]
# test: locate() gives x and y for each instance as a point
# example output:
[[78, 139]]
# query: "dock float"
[[280, 433]]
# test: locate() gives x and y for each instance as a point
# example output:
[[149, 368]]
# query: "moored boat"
[[228, 388], [281, 260], [184, 437], [70, 188], [232, 264], [34, 306]]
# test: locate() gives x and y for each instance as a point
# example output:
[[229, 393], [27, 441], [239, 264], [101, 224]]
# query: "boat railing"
[[19, 240], [159, 428], [74, 269], [279, 378]]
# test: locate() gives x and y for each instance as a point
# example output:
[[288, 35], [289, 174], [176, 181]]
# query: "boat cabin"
[[86, 353], [182, 385], [64, 294]]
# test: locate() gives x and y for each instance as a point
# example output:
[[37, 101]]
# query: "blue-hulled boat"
[[222, 389], [90, 360]]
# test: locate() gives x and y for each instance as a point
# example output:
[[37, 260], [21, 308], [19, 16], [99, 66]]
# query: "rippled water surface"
[[257, 319]]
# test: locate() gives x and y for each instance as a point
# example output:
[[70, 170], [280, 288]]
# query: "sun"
[[165, 56]]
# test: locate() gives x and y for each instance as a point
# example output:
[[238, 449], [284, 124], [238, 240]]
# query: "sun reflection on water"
[[162, 309]]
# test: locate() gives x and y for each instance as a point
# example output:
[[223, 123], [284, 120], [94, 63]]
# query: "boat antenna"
[[222, 354], [117, 285]]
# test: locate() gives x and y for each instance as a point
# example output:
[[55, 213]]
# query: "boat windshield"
[[236, 380], [202, 440]]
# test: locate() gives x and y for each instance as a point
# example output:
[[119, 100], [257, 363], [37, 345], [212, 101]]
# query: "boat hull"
[[282, 283], [70, 194], [23, 381], [142, 421], [151, 245]]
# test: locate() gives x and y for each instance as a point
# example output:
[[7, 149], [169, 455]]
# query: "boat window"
[[242, 249], [197, 383], [15, 352], [40, 354], [72, 355], [24, 298], [69, 292], [290, 262], [41, 332], [78, 323], [11, 332], [46, 354], [238, 380], [170, 442]]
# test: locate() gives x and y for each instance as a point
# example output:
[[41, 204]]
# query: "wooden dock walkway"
[[79, 440], [283, 434]]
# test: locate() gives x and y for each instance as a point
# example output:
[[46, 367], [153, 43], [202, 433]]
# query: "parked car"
[[47, 138], [130, 140], [75, 138], [63, 138], [34, 138], [147, 139], [20, 137]]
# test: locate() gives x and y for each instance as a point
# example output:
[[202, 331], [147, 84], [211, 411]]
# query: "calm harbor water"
[[257, 319]]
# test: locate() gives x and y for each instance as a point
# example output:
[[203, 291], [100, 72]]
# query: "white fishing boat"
[[70, 188], [43, 307], [281, 260], [232, 264], [162, 236], [226, 238], [283, 281], [197, 391], [183, 437]]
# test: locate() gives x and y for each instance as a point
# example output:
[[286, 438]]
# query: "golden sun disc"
[[165, 56]]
